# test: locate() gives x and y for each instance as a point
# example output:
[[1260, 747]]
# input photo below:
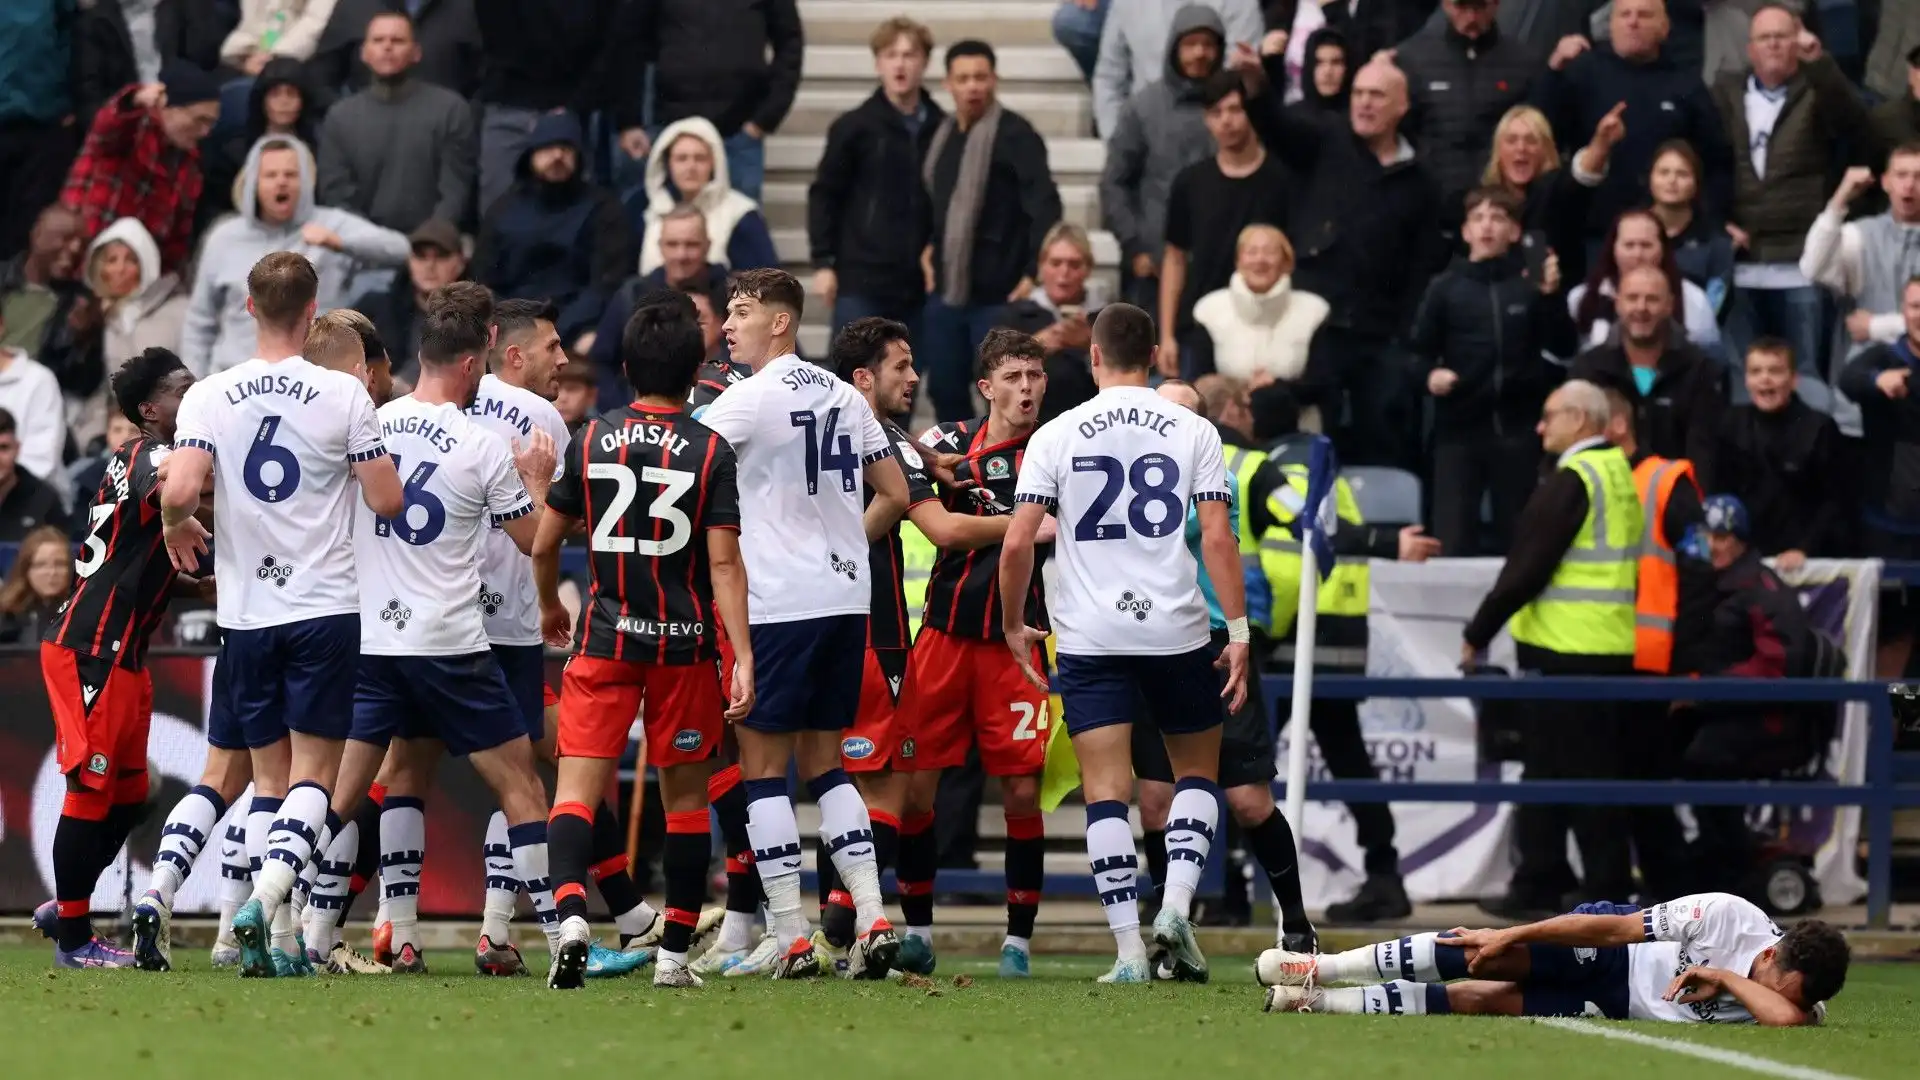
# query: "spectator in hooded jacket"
[[556, 235], [1787, 114], [282, 101], [1161, 131], [1664, 101], [279, 214], [447, 32], [689, 167], [142, 307], [142, 159], [1782, 457], [402, 150], [1326, 73], [993, 199], [1464, 75], [1133, 48], [1481, 335], [1678, 393], [867, 212], [1702, 249]]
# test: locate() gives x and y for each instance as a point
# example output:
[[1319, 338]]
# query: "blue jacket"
[[566, 242], [36, 43]]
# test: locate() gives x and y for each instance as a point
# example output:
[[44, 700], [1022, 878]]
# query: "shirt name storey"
[[1130, 417], [644, 435], [285, 385], [806, 375], [440, 437]]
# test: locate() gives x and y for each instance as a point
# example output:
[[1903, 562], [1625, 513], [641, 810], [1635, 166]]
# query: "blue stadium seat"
[[1387, 496]]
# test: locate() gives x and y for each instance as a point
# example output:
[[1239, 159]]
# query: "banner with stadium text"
[[31, 789], [1452, 851]]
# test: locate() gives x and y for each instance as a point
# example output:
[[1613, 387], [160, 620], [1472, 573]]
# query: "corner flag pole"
[[1306, 627]]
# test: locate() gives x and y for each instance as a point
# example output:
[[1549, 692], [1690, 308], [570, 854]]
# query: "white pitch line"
[[1734, 1058]]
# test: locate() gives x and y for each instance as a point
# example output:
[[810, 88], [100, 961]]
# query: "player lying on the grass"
[[1711, 958]]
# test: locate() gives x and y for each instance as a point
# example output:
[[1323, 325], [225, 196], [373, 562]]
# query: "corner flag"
[[1320, 518]]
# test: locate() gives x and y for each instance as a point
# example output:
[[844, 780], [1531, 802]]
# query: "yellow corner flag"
[[1062, 773]]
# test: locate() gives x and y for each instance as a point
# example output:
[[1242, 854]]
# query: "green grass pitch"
[[204, 1024]]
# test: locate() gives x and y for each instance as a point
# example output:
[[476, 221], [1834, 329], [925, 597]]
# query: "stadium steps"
[[1037, 79]]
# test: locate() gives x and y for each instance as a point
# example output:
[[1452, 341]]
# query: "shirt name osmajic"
[[1131, 417]]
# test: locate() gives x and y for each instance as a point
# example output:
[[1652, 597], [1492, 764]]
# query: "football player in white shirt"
[[805, 443], [1709, 958], [1120, 471], [426, 675], [292, 436]]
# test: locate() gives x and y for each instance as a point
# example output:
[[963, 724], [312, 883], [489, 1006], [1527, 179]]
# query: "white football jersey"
[[284, 436], [1121, 471], [802, 439], [1717, 929], [420, 572], [507, 596]]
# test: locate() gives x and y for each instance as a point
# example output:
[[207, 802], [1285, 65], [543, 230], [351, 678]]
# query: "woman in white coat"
[[1260, 327], [689, 166]]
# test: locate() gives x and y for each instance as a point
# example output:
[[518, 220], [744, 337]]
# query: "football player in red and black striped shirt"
[[880, 750], [93, 656], [657, 493], [962, 685]]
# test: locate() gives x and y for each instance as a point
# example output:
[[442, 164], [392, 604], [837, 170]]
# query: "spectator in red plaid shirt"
[[142, 159]]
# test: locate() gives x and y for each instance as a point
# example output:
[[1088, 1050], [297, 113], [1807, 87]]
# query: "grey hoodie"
[[1133, 48], [218, 332], [1162, 130]]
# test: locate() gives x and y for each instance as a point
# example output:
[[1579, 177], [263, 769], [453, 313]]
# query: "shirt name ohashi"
[[644, 435]]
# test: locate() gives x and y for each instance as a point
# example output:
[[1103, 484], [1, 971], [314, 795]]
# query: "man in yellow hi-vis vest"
[[1568, 589], [1340, 647]]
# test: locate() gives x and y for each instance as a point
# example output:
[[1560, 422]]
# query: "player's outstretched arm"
[[380, 486], [1577, 931], [728, 572], [1016, 573], [949, 531], [889, 486], [1769, 1007], [555, 625]]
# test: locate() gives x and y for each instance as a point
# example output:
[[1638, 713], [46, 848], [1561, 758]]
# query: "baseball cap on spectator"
[[187, 84], [1727, 515], [437, 232]]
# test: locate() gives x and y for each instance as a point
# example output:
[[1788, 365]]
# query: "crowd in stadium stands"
[[1399, 222]]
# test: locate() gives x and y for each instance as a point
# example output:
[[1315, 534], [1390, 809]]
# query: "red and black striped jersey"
[[123, 578], [963, 593], [714, 378], [887, 623], [649, 482]]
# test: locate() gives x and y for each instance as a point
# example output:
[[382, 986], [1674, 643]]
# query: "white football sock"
[[528, 841], [1397, 998], [775, 835], [188, 826], [403, 848], [330, 889], [736, 931], [1116, 866], [1412, 958], [1191, 821], [236, 876], [496, 913], [283, 929], [846, 830], [636, 919], [290, 844]]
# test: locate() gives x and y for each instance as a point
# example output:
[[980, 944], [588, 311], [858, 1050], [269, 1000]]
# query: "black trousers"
[[33, 168], [1573, 740], [1374, 376], [1468, 466], [1336, 727]]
